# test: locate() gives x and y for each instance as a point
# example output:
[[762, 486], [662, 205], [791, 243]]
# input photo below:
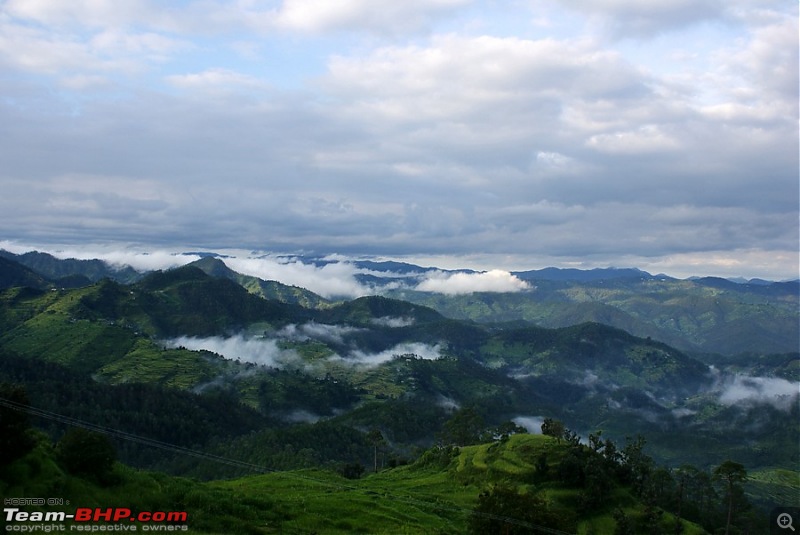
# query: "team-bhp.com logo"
[[94, 519]]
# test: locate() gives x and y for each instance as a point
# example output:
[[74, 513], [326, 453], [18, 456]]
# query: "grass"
[[421, 498], [173, 368], [775, 487]]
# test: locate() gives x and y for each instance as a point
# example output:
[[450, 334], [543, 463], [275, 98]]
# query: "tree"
[[352, 470], [463, 428], [86, 453], [623, 524], [553, 428], [505, 430], [683, 476], [637, 467], [376, 439], [15, 441], [504, 510], [732, 474]]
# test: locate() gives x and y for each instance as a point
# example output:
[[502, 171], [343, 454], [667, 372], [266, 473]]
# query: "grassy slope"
[[429, 496]]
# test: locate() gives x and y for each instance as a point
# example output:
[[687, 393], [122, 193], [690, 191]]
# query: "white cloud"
[[369, 360], [742, 390], [317, 331], [58, 51], [495, 280], [644, 19], [643, 140], [393, 322], [93, 13], [263, 352], [385, 16], [422, 127], [330, 280], [111, 254], [215, 79], [532, 423]]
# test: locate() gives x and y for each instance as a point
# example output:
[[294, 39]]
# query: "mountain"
[[709, 315], [195, 362], [583, 275], [267, 289], [372, 358], [700, 315], [15, 274], [54, 268]]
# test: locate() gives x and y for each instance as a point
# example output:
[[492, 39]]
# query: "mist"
[[322, 332], [260, 351], [743, 390], [370, 360], [332, 280], [532, 423], [388, 321]]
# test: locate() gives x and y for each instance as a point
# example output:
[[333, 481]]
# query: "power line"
[[117, 433]]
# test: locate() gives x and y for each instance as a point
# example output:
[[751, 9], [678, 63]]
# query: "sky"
[[458, 133]]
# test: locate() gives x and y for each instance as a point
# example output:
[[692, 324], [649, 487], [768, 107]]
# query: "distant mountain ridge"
[[586, 275], [379, 361], [54, 268], [704, 314]]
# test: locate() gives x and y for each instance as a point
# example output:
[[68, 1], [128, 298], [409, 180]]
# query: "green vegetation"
[[447, 490], [703, 315], [381, 411]]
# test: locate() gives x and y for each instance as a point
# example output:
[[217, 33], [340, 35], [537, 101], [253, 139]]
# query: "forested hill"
[[374, 356], [198, 361], [701, 315]]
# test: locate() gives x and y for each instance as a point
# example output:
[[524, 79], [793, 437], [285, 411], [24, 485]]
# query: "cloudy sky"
[[513, 134]]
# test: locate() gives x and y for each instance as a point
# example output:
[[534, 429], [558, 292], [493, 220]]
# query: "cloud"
[[532, 423], [215, 79], [317, 331], [370, 360], [330, 280], [113, 255], [301, 416], [415, 128], [365, 15], [744, 390], [464, 283], [260, 351], [393, 322], [448, 403], [647, 19]]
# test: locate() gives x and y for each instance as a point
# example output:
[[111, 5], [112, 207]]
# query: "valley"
[[276, 377]]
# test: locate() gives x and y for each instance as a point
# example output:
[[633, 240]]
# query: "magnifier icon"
[[785, 521]]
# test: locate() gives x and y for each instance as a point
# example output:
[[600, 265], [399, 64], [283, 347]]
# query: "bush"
[[505, 510], [86, 454]]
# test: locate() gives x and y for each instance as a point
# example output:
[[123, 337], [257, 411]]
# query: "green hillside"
[[273, 290], [357, 355], [447, 490], [690, 315], [197, 361]]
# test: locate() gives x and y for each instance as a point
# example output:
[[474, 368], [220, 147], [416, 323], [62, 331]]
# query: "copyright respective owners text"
[[55, 515]]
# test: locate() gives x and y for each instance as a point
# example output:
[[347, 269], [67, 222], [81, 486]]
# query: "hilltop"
[[703, 315]]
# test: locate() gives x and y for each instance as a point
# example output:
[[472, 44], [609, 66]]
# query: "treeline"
[[708, 498], [170, 416], [713, 499], [214, 422]]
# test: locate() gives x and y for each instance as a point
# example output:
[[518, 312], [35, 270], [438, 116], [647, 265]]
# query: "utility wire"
[[116, 433]]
